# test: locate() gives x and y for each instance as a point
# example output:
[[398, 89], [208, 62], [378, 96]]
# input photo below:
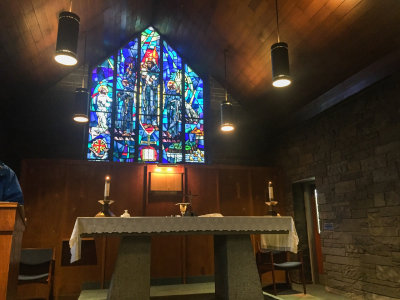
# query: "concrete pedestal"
[[236, 275], [131, 277]]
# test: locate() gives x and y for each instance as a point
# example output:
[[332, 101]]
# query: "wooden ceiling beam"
[[351, 86]]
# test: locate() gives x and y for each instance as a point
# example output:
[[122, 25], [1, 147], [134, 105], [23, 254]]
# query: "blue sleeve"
[[13, 192]]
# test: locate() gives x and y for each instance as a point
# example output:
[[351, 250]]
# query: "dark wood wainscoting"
[[58, 191]]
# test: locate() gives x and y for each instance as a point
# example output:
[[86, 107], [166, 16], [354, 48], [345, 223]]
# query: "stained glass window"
[[147, 105]]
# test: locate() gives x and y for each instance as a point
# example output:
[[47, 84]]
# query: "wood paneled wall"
[[58, 191]]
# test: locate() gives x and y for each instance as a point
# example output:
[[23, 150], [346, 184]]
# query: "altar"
[[236, 274]]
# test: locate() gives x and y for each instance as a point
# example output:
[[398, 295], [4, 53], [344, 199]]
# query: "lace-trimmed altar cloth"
[[281, 241], [90, 226]]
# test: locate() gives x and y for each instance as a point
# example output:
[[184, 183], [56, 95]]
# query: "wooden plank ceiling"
[[329, 41]]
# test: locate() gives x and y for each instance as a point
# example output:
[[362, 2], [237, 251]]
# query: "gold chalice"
[[183, 207]]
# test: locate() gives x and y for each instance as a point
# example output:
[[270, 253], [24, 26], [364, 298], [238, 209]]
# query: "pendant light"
[[81, 97], [67, 38], [226, 108], [280, 59]]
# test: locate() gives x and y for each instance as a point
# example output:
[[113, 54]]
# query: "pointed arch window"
[[147, 105]]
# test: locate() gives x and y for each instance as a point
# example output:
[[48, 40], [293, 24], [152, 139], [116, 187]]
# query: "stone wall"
[[353, 151]]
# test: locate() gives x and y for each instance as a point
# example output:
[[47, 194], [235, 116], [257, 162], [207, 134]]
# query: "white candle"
[[107, 187], [270, 191]]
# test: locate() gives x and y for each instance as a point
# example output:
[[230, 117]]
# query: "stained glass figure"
[[125, 104], [172, 111], [149, 105], [101, 109], [141, 111]]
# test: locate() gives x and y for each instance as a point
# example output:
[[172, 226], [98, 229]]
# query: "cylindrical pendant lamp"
[[81, 105], [280, 65], [227, 123], [67, 38]]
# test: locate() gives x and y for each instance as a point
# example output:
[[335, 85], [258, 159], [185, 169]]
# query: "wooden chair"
[[270, 261], [36, 270]]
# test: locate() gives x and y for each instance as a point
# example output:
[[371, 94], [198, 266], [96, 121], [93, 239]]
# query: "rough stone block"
[[392, 198], [336, 156], [352, 273], [374, 221], [389, 147], [389, 211], [388, 273], [334, 251], [359, 213], [354, 166], [327, 215], [352, 225], [306, 158], [376, 259], [342, 260], [345, 186], [374, 162], [344, 237], [354, 249], [384, 231], [337, 168], [379, 199], [380, 289], [396, 257], [391, 243], [385, 174], [324, 207]]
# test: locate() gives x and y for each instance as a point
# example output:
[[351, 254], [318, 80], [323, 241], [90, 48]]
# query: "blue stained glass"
[[149, 71], [124, 150], [172, 153], [150, 46], [101, 98], [172, 116], [171, 129], [126, 114], [148, 139], [98, 146], [101, 107], [172, 71], [127, 67], [193, 94], [138, 77], [103, 74], [149, 105], [194, 142]]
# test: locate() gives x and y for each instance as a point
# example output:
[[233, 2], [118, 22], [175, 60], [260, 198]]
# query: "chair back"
[[35, 265]]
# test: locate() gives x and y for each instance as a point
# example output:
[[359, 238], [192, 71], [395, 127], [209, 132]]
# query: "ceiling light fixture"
[[280, 59], [81, 97], [67, 38], [226, 108]]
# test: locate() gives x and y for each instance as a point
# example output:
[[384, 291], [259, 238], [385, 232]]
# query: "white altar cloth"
[[90, 226], [281, 241]]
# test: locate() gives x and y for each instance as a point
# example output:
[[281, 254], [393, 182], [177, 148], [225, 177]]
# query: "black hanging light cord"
[[277, 19], [84, 61], [226, 83]]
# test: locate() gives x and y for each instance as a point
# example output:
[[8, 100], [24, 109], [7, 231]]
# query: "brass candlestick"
[[270, 207], [105, 211]]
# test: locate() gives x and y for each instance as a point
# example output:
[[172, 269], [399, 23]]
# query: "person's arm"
[[13, 192]]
